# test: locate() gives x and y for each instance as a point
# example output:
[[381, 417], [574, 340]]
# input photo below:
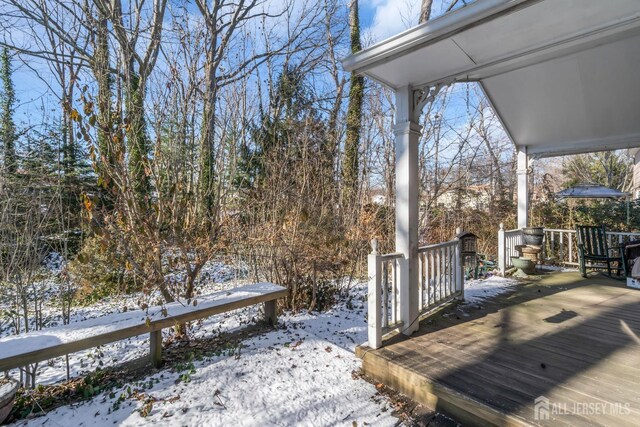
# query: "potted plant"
[[533, 235], [523, 264]]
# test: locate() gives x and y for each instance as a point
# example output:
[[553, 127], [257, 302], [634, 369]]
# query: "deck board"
[[570, 339]]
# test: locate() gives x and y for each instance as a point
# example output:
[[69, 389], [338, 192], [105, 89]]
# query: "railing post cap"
[[501, 226], [374, 246]]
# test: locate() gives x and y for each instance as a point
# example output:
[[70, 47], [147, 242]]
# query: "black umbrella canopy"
[[590, 191]]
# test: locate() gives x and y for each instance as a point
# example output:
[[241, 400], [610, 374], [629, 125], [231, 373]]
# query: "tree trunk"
[[207, 178], [425, 11], [137, 141], [104, 118], [7, 127], [350, 167]]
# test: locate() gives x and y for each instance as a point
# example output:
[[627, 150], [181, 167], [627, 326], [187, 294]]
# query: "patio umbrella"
[[590, 191], [593, 191]]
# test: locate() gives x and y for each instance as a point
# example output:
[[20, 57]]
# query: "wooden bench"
[[20, 350]]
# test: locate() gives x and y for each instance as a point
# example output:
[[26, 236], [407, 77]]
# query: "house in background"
[[475, 197]]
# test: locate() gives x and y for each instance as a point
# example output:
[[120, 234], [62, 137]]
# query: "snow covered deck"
[[565, 345]]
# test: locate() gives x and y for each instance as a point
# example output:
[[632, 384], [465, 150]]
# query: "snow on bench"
[[19, 350]]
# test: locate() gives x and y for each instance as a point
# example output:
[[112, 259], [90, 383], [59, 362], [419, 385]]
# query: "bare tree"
[[425, 10], [131, 32]]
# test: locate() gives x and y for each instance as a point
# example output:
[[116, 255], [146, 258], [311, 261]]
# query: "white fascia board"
[[618, 142], [429, 32], [566, 46]]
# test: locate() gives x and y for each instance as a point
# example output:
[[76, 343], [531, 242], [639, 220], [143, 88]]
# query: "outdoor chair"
[[593, 249], [630, 253]]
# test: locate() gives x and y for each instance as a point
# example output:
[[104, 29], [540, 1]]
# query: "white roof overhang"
[[562, 75]]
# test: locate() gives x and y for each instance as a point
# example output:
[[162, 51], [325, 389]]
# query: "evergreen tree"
[[7, 102], [289, 104]]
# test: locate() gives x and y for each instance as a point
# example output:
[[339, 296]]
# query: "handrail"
[[391, 256], [441, 274], [383, 294], [507, 242], [615, 233], [437, 245], [623, 233], [440, 279]]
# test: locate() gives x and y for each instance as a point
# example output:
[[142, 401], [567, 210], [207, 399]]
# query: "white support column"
[[523, 187], [407, 132]]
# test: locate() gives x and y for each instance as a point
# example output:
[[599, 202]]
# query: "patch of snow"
[[299, 374], [212, 272], [545, 267], [54, 262], [6, 387], [477, 290]]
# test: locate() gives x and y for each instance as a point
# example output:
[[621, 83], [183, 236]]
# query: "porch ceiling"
[[561, 75]]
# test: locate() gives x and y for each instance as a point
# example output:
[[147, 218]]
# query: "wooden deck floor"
[[573, 341]]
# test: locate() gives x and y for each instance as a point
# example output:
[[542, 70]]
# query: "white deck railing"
[[560, 246], [507, 242], [441, 274], [441, 278]]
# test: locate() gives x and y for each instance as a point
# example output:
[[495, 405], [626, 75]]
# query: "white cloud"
[[392, 17]]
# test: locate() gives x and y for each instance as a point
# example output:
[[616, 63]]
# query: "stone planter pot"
[[533, 235], [525, 265], [8, 391]]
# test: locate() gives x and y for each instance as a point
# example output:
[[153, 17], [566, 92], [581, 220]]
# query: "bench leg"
[[270, 312], [156, 348]]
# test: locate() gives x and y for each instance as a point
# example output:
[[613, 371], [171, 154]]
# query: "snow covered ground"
[[475, 291], [556, 268], [218, 276], [300, 374]]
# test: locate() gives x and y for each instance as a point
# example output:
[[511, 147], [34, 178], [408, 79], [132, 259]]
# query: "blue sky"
[[379, 19], [384, 18]]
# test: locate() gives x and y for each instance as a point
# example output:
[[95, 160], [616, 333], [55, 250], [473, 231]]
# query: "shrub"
[[99, 271]]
